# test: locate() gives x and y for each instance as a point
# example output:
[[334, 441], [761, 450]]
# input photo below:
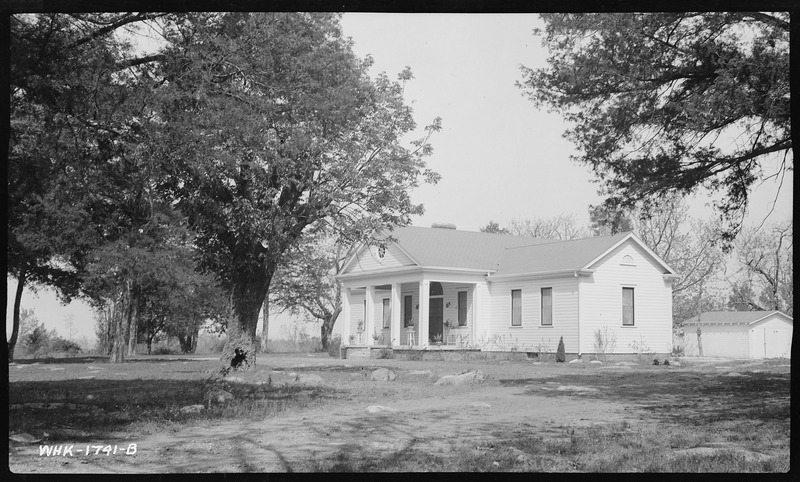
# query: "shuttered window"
[[516, 307], [462, 308], [547, 306], [627, 306]]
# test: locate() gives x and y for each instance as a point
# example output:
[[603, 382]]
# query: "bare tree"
[[563, 226], [690, 247], [764, 278]]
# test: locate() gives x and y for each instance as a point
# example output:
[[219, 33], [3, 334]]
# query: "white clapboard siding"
[[628, 265], [770, 338], [369, 259], [532, 336]]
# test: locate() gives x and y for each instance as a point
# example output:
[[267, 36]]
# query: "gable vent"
[[443, 225]]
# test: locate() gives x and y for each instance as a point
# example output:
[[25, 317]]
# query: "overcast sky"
[[500, 158]]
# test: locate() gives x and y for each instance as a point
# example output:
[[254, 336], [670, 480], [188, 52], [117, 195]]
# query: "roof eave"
[[542, 274]]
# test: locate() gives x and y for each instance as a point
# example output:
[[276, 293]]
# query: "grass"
[[95, 401]]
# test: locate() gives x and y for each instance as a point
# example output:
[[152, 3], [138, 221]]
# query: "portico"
[[411, 306]]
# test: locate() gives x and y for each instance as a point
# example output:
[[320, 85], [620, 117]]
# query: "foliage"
[[280, 128], [561, 355], [334, 345], [671, 102], [305, 285], [494, 227]]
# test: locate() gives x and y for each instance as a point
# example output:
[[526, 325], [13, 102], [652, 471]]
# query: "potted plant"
[[437, 339], [410, 325]]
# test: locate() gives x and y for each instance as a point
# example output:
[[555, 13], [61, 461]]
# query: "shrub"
[[60, 345], [333, 346], [164, 350], [561, 355]]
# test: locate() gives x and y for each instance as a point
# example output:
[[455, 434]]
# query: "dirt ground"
[[515, 397]]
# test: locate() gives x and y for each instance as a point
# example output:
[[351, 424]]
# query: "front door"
[[435, 318]]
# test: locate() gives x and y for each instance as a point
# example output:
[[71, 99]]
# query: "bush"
[[561, 355], [60, 345], [164, 350], [333, 346]]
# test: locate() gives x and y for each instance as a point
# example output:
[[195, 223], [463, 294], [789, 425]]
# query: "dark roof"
[[556, 255], [457, 249], [501, 253], [733, 317]]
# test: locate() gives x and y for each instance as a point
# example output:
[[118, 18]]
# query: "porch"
[[410, 314]]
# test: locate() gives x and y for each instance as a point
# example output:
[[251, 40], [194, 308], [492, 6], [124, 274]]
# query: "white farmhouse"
[[415, 287], [739, 334]]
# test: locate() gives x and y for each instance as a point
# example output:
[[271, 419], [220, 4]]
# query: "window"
[[462, 308], [407, 310], [381, 250], [436, 289], [387, 313], [627, 306], [547, 306], [516, 307], [627, 260]]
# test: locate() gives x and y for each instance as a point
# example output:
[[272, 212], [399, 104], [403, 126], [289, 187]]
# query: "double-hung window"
[[516, 307], [407, 311], [627, 307], [547, 306], [387, 312], [462, 308]]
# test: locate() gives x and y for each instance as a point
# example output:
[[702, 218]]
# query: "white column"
[[424, 300], [396, 322], [474, 333], [346, 322], [369, 315]]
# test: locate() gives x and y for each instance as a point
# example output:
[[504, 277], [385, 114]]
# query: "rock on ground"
[[192, 409], [380, 409], [309, 379], [577, 360], [456, 380], [383, 375]]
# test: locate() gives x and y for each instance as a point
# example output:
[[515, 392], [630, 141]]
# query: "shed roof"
[[732, 317]]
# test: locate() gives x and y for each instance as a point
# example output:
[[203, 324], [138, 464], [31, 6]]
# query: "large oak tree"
[[280, 126], [664, 103]]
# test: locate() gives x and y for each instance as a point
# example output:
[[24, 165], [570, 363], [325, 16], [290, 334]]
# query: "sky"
[[500, 157]]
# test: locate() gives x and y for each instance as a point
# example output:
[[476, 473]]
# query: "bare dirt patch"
[[521, 417]]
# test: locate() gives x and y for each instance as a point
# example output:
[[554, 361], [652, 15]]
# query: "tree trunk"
[[12, 342], [123, 326], [249, 292], [327, 328], [132, 333], [265, 326]]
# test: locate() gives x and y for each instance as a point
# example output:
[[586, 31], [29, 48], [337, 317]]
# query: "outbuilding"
[[739, 334]]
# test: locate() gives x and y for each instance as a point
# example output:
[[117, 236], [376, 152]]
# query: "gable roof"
[[733, 317], [557, 255], [457, 249], [502, 254]]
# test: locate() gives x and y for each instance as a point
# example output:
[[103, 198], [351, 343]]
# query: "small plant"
[[360, 326], [604, 342], [640, 348], [437, 338], [561, 355]]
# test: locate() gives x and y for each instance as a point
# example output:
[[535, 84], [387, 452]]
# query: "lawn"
[[313, 413]]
